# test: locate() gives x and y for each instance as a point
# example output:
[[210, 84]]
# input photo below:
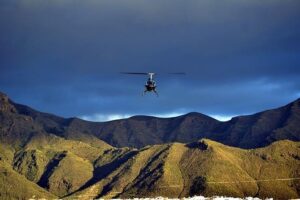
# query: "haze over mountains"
[[49, 156]]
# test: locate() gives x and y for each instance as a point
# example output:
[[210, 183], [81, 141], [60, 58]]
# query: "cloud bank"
[[64, 57]]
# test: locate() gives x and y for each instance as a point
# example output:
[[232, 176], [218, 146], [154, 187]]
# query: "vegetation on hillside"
[[45, 156]]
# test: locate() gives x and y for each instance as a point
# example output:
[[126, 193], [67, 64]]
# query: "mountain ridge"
[[249, 131]]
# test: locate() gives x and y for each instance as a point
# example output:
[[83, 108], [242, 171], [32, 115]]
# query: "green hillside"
[[202, 168], [50, 166]]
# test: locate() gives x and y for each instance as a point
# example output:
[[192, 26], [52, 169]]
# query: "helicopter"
[[150, 85]]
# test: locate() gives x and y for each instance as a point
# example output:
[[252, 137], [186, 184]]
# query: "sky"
[[65, 56]]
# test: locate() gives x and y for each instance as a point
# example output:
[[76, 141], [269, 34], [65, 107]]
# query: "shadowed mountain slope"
[[19, 123], [15, 186]]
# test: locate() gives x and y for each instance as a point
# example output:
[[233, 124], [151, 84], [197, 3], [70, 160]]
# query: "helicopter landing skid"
[[150, 91]]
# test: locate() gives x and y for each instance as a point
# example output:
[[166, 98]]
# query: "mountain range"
[[250, 131], [49, 156]]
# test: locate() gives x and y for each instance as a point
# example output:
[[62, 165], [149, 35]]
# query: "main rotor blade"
[[178, 73], [135, 73], [148, 73]]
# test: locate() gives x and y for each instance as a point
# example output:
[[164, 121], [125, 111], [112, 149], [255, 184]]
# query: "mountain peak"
[[5, 104], [3, 97], [199, 115]]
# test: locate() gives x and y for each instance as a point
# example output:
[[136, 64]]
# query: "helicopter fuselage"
[[150, 85], [150, 88]]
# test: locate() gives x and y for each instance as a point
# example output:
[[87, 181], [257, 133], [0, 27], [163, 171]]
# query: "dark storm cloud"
[[64, 56]]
